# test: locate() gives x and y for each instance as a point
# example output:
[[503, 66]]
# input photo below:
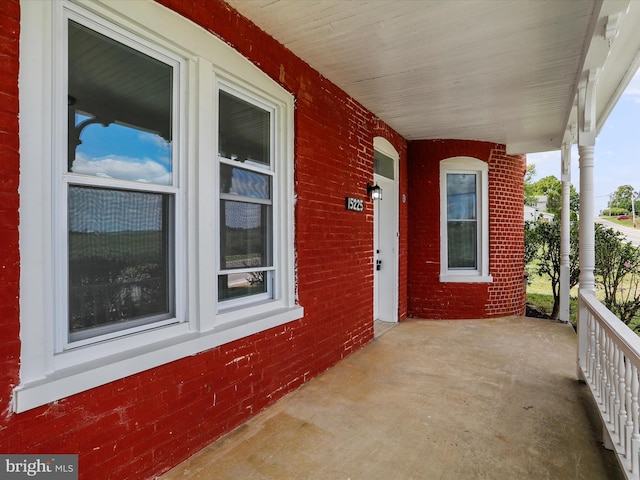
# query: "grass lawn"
[[539, 288], [625, 223], [540, 295]]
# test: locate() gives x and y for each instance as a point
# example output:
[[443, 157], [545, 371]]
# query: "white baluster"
[[597, 383], [635, 437], [620, 402], [613, 384], [628, 401], [603, 371], [591, 344]]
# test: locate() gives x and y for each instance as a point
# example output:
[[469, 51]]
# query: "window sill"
[[466, 278], [79, 378]]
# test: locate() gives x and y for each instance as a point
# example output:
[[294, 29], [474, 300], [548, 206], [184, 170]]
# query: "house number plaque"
[[354, 204]]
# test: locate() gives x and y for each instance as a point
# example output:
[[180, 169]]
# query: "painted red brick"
[[427, 296], [9, 171]]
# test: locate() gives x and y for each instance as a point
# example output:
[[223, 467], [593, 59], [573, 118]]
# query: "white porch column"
[[565, 225], [587, 216], [586, 150]]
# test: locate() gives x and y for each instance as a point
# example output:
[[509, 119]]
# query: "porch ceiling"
[[493, 70]]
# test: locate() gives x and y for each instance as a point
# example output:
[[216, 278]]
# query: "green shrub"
[[617, 272], [614, 212], [542, 244]]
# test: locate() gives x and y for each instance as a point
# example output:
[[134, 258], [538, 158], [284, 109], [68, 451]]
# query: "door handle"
[[378, 264]]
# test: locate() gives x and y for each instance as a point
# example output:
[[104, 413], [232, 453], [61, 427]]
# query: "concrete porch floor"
[[451, 400]]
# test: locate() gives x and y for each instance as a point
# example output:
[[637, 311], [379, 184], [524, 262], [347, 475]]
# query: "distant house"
[[541, 204], [539, 211], [532, 214]]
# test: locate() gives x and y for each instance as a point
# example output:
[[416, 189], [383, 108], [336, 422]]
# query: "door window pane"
[[245, 131], [120, 110], [119, 261], [383, 165]]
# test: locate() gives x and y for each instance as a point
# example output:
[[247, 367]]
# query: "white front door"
[[385, 246]]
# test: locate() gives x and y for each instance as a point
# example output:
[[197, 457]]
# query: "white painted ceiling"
[[504, 71]]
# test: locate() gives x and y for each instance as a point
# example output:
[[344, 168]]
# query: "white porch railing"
[[609, 362]]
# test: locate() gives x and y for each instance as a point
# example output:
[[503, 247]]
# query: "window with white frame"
[[246, 180], [464, 220], [151, 248], [118, 192]]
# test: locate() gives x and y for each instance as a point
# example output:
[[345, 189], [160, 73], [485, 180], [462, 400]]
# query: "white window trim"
[[46, 376], [62, 179], [480, 168], [272, 292]]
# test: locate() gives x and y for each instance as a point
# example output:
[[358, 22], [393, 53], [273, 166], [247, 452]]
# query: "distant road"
[[631, 234]]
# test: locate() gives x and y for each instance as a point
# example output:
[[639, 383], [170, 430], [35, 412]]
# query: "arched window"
[[464, 220]]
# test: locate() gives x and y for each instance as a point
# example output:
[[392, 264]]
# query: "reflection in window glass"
[[462, 221], [245, 235], [120, 110], [246, 199], [239, 181], [244, 131], [461, 244], [461, 196], [119, 261], [237, 285]]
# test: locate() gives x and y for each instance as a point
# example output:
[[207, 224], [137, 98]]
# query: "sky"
[[617, 152], [123, 152]]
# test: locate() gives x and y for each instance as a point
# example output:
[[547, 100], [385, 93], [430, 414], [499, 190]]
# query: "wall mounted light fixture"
[[374, 191]]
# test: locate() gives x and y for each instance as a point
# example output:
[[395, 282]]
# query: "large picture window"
[[464, 235], [120, 185], [156, 195]]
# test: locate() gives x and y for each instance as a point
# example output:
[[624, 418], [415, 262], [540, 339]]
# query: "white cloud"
[[155, 140], [124, 168]]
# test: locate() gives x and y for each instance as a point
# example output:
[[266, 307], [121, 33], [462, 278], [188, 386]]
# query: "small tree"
[[531, 242], [542, 242], [530, 191], [613, 212], [617, 273], [622, 198], [552, 188]]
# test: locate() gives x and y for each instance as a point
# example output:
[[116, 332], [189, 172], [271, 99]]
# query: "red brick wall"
[[427, 296], [142, 425], [9, 177], [507, 295]]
